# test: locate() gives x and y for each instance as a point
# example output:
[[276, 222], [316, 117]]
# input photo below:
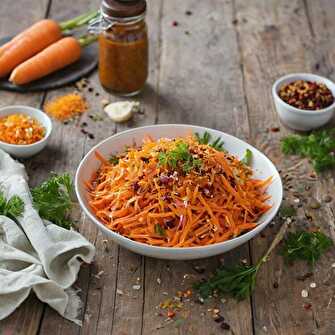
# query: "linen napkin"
[[36, 255]]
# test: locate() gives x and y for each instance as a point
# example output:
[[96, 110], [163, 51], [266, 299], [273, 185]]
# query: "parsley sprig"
[[319, 147], [53, 199], [12, 208], [206, 138], [307, 246], [237, 281], [179, 157]]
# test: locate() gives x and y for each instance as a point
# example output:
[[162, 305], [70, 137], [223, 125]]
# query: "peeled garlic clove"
[[122, 111]]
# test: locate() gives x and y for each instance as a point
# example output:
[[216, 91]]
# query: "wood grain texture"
[[213, 68], [278, 38], [200, 83], [26, 320]]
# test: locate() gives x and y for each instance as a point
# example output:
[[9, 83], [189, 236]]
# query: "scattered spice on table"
[[306, 95], [188, 13], [66, 107], [175, 23], [20, 129]]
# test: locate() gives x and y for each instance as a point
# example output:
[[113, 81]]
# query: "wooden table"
[[214, 68]]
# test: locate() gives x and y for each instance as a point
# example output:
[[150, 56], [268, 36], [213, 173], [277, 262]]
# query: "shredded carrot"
[[66, 107], [20, 129], [145, 200]]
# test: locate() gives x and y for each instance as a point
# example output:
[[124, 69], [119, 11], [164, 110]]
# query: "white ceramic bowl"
[[300, 119], [262, 166], [25, 151]]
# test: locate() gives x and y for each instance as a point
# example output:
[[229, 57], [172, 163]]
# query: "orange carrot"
[[58, 55], [38, 26], [36, 38], [29, 45], [136, 199]]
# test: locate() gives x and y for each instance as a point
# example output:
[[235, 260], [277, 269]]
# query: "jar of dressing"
[[123, 46]]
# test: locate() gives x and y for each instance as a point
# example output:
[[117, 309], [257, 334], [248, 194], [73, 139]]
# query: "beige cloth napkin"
[[35, 254]]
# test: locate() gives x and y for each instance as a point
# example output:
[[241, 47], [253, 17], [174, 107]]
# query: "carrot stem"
[[78, 21], [87, 40]]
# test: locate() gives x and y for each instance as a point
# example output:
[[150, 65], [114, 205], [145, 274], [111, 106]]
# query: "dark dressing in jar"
[[123, 46]]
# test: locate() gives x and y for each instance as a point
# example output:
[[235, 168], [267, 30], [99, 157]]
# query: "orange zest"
[[20, 129], [66, 107], [140, 198]]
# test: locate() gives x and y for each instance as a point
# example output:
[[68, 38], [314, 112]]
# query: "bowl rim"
[[307, 76], [176, 250], [47, 124]]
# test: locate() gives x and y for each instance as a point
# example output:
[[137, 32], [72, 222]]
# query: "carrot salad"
[[177, 193], [20, 129]]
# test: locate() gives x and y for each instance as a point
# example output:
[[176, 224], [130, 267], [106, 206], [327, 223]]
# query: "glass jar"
[[123, 46]]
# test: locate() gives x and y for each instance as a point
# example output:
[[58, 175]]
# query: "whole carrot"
[[30, 44], [35, 39], [36, 26], [55, 57]]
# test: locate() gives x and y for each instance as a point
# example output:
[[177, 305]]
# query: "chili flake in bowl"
[[304, 101], [24, 131], [20, 129], [306, 95]]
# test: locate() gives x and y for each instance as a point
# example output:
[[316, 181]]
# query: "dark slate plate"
[[86, 64]]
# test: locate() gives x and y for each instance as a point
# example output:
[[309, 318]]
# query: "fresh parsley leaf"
[[319, 147], [13, 208], [206, 139], [53, 199], [159, 230], [179, 157], [287, 211], [307, 246], [247, 157], [238, 282]]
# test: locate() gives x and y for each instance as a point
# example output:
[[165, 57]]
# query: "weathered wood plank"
[[200, 83], [63, 154], [27, 318], [98, 282], [276, 38]]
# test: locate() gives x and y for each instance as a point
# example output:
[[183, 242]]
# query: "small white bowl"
[[21, 150], [262, 167], [300, 119]]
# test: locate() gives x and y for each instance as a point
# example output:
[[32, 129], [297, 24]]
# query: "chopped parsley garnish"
[[307, 246], [206, 138], [159, 230], [13, 208], [179, 157], [319, 147], [247, 157], [114, 160]]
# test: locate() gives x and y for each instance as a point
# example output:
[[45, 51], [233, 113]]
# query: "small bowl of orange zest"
[[24, 130]]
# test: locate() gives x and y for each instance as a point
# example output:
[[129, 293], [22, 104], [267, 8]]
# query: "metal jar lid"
[[123, 8]]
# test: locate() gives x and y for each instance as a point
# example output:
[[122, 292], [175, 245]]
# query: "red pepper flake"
[[306, 95], [307, 307], [274, 129], [171, 314], [175, 23]]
